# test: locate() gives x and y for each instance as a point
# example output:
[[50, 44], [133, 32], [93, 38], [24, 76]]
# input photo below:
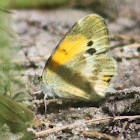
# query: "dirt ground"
[[40, 32]]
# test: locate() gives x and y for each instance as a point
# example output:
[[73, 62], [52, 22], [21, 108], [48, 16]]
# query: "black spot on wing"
[[63, 50], [108, 80], [91, 51], [90, 43]]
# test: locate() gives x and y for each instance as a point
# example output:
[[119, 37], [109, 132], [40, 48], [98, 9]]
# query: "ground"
[[40, 32]]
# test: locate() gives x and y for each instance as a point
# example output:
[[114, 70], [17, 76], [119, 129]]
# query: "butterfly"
[[80, 67]]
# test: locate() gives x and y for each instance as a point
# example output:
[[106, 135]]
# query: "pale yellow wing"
[[79, 67]]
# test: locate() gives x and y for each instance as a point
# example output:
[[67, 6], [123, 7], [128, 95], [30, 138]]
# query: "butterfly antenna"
[[45, 96]]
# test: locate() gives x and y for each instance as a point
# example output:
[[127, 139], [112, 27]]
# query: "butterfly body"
[[80, 67]]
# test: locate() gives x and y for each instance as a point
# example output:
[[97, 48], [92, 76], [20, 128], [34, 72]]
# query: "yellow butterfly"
[[80, 67]]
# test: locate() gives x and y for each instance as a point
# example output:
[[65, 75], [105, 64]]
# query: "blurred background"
[[109, 8]]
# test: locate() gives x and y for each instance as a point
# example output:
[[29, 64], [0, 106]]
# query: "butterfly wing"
[[79, 67]]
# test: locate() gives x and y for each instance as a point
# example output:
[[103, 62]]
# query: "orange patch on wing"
[[68, 48]]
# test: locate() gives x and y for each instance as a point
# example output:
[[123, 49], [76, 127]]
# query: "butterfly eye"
[[89, 43], [91, 51]]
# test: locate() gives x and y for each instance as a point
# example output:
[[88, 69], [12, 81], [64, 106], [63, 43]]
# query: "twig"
[[48, 131], [7, 11], [97, 134], [134, 45], [76, 124], [12, 35], [114, 118], [123, 128], [122, 37]]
